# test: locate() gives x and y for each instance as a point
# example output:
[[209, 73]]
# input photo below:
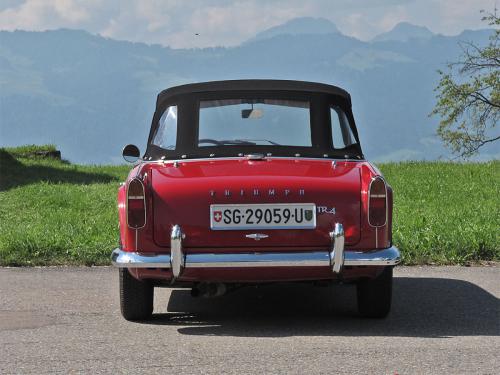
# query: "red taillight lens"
[[136, 205], [377, 203]]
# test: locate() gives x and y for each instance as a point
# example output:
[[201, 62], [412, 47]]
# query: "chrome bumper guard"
[[335, 258]]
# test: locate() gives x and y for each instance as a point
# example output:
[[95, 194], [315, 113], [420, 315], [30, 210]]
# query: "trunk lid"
[[182, 195]]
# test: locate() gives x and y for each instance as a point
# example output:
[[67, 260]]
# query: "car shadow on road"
[[422, 307]]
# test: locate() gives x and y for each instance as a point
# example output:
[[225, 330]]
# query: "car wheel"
[[136, 297], [374, 296]]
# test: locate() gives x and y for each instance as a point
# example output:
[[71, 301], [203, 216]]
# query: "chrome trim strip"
[[177, 258], [136, 235], [255, 157], [338, 160], [244, 260], [382, 257], [337, 253], [126, 259]]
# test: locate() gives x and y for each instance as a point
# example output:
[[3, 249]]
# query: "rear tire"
[[374, 296], [136, 297]]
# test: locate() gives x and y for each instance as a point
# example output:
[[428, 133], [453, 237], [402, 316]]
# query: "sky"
[[209, 23]]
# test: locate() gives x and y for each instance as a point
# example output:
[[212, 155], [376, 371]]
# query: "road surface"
[[445, 320]]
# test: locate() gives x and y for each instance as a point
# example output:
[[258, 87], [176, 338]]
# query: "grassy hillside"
[[53, 212]]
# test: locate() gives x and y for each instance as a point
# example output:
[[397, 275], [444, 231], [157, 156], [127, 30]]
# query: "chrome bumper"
[[335, 258]]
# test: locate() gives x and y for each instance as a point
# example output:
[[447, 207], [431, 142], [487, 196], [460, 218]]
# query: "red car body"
[[175, 244]]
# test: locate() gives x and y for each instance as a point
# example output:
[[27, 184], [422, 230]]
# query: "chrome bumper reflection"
[[125, 259], [384, 257], [335, 258]]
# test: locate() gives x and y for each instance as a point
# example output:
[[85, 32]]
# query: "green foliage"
[[54, 213], [468, 96]]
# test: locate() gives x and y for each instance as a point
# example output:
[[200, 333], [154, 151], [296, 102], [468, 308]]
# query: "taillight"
[[136, 204], [377, 203]]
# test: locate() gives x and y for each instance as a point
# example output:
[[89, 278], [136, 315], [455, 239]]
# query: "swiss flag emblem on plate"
[[217, 216]]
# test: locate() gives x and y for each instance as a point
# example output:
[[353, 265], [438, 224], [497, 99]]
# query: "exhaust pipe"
[[209, 290]]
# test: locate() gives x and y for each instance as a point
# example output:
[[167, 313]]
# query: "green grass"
[[53, 212], [446, 213]]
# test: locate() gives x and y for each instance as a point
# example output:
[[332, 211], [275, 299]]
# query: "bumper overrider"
[[335, 258]]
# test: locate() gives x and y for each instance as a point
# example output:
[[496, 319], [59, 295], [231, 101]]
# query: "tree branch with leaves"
[[468, 96]]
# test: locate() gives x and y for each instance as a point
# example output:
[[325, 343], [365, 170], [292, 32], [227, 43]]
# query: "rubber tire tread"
[[136, 297], [375, 296]]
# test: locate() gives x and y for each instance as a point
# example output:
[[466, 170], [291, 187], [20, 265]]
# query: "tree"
[[468, 96]]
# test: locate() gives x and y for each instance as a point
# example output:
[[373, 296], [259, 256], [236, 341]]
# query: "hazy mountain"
[[299, 26], [403, 32], [91, 95]]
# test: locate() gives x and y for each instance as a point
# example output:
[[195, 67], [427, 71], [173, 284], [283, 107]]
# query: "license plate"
[[263, 216]]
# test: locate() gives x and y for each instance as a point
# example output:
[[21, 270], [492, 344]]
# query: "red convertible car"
[[253, 181]]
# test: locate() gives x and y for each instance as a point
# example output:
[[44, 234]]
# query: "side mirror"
[[131, 153]]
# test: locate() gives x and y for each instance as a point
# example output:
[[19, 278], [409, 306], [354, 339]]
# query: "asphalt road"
[[445, 320]]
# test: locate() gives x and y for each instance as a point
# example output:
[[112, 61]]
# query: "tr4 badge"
[[326, 210]]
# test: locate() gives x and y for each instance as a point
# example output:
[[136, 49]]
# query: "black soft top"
[[187, 98], [251, 85]]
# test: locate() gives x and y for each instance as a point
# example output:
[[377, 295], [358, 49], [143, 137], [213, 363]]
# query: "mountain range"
[[91, 95]]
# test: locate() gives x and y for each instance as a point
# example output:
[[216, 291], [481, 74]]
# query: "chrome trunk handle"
[[255, 156]]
